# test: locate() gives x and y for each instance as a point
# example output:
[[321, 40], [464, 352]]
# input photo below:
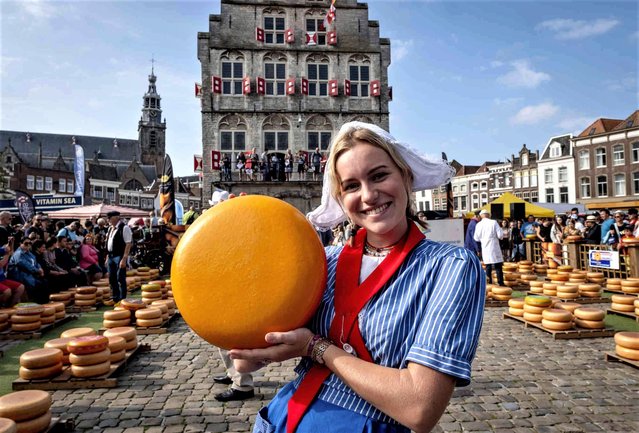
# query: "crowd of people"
[[272, 166]]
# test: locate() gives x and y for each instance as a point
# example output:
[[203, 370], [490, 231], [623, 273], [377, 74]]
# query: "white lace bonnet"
[[428, 173]]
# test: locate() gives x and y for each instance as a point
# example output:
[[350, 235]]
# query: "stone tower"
[[151, 128]]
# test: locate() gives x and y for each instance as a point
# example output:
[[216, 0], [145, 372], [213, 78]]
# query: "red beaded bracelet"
[[312, 343]]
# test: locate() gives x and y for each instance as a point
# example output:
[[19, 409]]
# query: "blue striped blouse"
[[429, 313]]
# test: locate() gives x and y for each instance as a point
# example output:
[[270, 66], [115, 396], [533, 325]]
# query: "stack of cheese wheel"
[[556, 319], [155, 273], [99, 299], [27, 317], [590, 290], [59, 309], [169, 288], [630, 285], [40, 363], [77, 332], [117, 347], [30, 410], [636, 303], [551, 271], [596, 277], [614, 284], [501, 293], [126, 332], [144, 272], [60, 344], [89, 356], [170, 304], [510, 274], [559, 278], [569, 306], [540, 268], [525, 267], [148, 317], [577, 277], [8, 425], [116, 318], [533, 307], [132, 304], [550, 289], [525, 279], [516, 307], [4, 322], [164, 287], [151, 292], [85, 296], [489, 288], [566, 291], [47, 316], [627, 345], [536, 287], [590, 318], [65, 298], [623, 303], [164, 309]]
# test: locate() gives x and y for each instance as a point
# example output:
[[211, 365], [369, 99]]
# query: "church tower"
[[151, 129]]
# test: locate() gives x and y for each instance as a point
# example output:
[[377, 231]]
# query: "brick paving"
[[523, 381]]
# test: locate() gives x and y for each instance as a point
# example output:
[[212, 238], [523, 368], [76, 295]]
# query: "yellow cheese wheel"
[[60, 315], [117, 315], [164, 307], [590, 324], [77, 332], [116, 323], [559, 277], [567, 289], [533, 309], [556, 326], [613, 286], [614, 281], [515, 311], [91, 370], [84, 303], [564, 295], [48, 311], [537, 290], [29, 308], [59, 297], [46, 320], [152, 287], [501, 297], [278, 244], [20, 318], [589, 287], [116, 344], [501, 290], [58, 306], [532, 317], [147, 323], [40, 373], [630, 289], [589, 313], [117, 356], [528, 277], [636, 303], [24, 327], [126, 332], [557, 315], [516, 303], [151, 295], [86, 290], [623, 299], [629, 283], [88, 344], [538, 301], [40, 358], [622, 307], [551, 286], [131, 344], [59, 343], [24, 405], [132, 304], [84, 297], [536, 283], [35, 425], [627, 353], [629, 340], [549, 292], [161, 283], [90, 358], [590, 294], [8, 426]]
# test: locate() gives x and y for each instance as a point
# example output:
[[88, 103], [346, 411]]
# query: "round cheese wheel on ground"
[[152, 287], [148, 313], [629, 283], [116, 343], [590, 324], [26, 308], [117, 315], [59, 343], [632, 290], [48, 311], [538, 301], [516, 303], [40, 373], [557, 315], [151, 295], [91, 370], [533, 309], [86, 290], [623, 299], [19, 318], [589, 313], [59, 297], [8, 426], [567, 289], [627, 339], [537, 290], [24, 327], [622, 307], [24, 405], [35, 425], [126, 332], [564, 295], [164, 308], [627, 353], [117, 356], [515, 311], [88, 344], [116, 323], [77, 332], [46, 320], [131, 344], [536, 284], [83, 303], [40, 358], [58, 306], [84, 297], [148, 323], [90, 358], [532, 317], [556, 326], [132, 304]]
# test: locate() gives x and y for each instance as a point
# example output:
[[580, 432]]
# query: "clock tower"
[[151, 128]]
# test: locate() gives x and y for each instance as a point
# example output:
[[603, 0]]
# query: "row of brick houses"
[[599, 168]]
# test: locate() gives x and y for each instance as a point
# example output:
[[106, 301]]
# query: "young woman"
[[504, 243], [557, 230], [289, 160], [399, 321]]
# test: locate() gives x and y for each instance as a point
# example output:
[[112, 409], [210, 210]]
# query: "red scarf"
[[350, 298]]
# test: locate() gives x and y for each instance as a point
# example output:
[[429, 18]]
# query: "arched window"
[[133, 185], [276, 132], [232, 138], [359, 67], [317, 74], [584, 160], [319, 131], [275, 73], [584, 187], [232, 64]]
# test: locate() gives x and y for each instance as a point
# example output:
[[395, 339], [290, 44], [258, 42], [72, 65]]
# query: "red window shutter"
[[261, 86], [216, 84], [259, 34], [215, 159], [347, 87], [332, 88], [304, 86], [331, 38], [311, 38], [289, 36], [290, 86], [246, 85], [375, 88]]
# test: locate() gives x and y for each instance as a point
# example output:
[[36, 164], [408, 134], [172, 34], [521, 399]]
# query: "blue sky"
[[475, 79]]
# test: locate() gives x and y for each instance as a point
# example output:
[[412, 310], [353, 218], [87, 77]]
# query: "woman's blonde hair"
[[348, 139]]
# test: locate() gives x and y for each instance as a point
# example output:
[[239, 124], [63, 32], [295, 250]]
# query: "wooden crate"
[[565, 335], [66, 381], [623, 313], [613, 357], [495, 303]]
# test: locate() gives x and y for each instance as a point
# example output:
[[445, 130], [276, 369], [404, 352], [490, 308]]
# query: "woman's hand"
[[285, 345]]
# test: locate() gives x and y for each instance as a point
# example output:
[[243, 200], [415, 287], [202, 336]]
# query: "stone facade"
[[266, 88]]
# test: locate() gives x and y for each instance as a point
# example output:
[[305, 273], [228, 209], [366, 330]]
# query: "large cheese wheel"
[[20, 318], [629, 283], [536, 283], [86, 290], [24, 327], [117, 356], [161, 283], [627, 353], [627, 339], [532, 317], [148, 323], [630, 289], [8, 426], [84, 297], [131, 344], [590, 324], [152, 287], [59, 343], [24, 405], [85, 303], [40, 373], [636, 303], [516, 303], [567, 289], [623, 299], [564, 295], [117, 315], [58, 306], [551, 286], [61, 297], [48, 311], [151, 295], [537, 290], [625, 308], [589, 313], [88, 344], [556, 326], [538, 301], [132, 304], [164, 307], [559, 277], [116, 323], [126, 332], [40, 358], [77, 332], [35, 425], [515, 311], [90, 358], [502, 290], [257, 290], [533, 309], [91, 370], [116, 343], [46, 320], [564, 268], [589, 287], [29, 308], [557, 315]]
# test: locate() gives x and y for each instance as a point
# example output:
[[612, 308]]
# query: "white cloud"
[[533, 114], [575, 29], [575, 124], [401, 49], [522, 75], [38, 9]]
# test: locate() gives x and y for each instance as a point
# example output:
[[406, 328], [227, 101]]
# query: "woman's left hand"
[[285, 345]]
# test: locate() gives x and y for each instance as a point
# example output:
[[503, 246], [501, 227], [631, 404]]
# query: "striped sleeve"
[[448, 334]]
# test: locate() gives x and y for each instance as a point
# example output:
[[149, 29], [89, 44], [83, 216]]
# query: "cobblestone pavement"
[[523, 381]]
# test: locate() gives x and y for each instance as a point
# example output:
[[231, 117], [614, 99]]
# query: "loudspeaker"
[[518, 211], [497, 211]]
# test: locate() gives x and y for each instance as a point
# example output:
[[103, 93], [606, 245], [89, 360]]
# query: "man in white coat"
[[488, 233]]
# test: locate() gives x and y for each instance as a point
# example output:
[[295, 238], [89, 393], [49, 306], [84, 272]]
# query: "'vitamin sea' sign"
[[603, 259], [44, 204]]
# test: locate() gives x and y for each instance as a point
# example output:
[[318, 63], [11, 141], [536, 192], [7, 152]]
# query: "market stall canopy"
[[97, 210], [531, 209]]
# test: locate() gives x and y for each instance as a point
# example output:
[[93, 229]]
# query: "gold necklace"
[[372, 251]]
